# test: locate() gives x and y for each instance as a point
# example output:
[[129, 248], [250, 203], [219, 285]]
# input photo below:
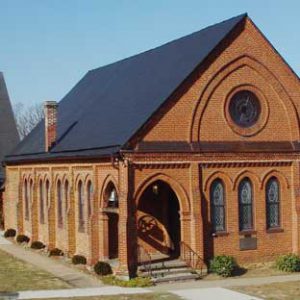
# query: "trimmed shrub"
[[288, 263], [223, 265], [22, 238], [78, 260], [10, 233], [37, 245], [134, 282], [56, 252], [102, 268]]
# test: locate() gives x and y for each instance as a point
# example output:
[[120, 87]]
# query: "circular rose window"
[[244, 109]]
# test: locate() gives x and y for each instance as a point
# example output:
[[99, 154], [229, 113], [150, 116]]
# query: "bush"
[[56, 252], [223, 265], [102, 268], [22, 238], [37, 245], [135, 282], [10, 233], [78, 260], [288, 263]]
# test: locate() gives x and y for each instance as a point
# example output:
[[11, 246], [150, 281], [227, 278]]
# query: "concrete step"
[[166, 272], [169, 271], [176, 277], [169, 264]]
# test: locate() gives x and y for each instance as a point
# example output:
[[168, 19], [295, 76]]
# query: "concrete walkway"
[[88, 292], [74, 277], [229, 282], [212, 293], [191, 294]]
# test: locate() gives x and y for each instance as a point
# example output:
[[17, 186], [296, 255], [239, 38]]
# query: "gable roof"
[[9, 136], [109, 104]]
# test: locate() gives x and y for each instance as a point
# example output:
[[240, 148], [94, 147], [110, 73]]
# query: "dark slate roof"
[[9, 136], [108, 106]]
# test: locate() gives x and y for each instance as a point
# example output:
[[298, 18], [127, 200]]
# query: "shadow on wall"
[[158, 219], [154, 234]]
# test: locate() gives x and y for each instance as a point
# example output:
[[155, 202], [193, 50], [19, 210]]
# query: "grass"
[[274, 291], [149, 296], [16, 275], [135, 282], [252, 270]]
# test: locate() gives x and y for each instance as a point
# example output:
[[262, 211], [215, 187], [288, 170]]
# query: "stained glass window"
[[245, 205], [217, 198], [273, 202]]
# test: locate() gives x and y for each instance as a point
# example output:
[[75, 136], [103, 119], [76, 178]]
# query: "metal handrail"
[[192, 258], [144, 258]]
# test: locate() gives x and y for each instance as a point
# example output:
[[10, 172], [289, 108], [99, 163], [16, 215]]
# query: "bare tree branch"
[[27, 117]]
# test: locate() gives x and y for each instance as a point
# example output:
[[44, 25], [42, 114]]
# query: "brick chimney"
[[50, 110]]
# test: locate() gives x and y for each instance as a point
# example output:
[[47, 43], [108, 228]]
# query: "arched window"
[[26, 198], [111, 198], [47, 198], [42, 204], [80, 206], [245, 205], [30, 197], [59, 204], [90, 193], [273, 203], [66, 194], [217, 199]]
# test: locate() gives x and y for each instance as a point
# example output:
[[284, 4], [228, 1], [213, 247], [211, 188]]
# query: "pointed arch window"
[[66, 194], [59, 204], [26, 198], [80, 206], [245, 205], [218, 212], [90, 193], [42, 202], [47, 194], [273, 203]]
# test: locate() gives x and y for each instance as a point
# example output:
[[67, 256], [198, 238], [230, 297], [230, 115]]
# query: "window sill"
[[219, 234], [247, 232], [275, 230]]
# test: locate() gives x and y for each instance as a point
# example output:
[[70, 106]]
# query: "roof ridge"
[[242, 16]]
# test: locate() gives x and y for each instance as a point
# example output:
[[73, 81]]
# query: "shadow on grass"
[[239, 271]]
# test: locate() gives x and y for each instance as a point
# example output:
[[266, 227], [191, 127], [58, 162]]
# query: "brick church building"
[[191, 147]]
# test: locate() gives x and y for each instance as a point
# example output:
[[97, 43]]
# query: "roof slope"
[[9, 136], [111, 103]]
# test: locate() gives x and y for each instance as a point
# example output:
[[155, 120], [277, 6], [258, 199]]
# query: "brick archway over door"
[[159, 219]]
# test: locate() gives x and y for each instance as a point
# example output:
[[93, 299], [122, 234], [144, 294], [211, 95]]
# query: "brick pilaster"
[[296, 208], [127, 222], [71, 218], [196, 216]]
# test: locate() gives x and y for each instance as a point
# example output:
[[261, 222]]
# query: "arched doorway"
[[111, 209], [159, 220]]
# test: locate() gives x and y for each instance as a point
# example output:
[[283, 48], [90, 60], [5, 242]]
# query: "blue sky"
[[48, 45]]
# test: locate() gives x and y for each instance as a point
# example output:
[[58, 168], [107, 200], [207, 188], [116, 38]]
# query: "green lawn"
[[16, 275], [152, 296], [274, 291]]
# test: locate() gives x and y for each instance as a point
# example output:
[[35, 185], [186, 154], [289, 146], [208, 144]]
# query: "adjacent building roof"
[[110, 104], [9, 136]]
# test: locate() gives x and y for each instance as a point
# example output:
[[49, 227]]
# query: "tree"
[[27, 117]]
